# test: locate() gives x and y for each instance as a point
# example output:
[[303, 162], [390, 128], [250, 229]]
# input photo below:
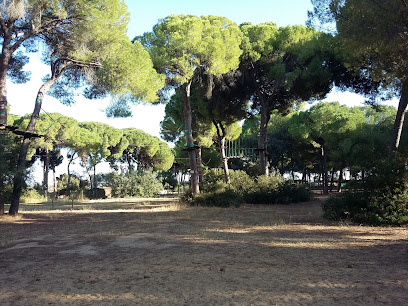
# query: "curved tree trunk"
[[399, 121], [189, 139], [21, 164]]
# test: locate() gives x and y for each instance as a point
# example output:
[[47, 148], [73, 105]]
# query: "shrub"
[[168, 179], [267, 183], [283, 193], [30, 195], [213, 181], [264, 190], [135, 184], [241, 182], [225, 198], [296, 192], [383, 200]]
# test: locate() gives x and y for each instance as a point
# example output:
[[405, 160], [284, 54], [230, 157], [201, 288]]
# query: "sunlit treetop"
[[179, 44]]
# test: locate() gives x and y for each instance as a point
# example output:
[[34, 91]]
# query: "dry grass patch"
[[173, 254]]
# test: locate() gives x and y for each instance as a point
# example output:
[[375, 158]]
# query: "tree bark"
[[262, 139], [221, 135], [68, 169], [21, 164], [399, 121], [5, 57], [340, 181], [45, 172], [4, 62], [195, 188], [199, 164], [332, 180], [94, 181], [304, 175], [325, 176]]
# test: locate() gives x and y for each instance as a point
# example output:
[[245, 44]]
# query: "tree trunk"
[[340, 181], [45, 172], [195, 188], [5, 57], [224, 161], [399, 121], [304, 175], [4, 62], [292, 170], [332, 180], [54, 182], [94, 181], [2, 201], [21, 164], [262, 139], [325, 176], [199, 164], [221, 134], [68, 169]]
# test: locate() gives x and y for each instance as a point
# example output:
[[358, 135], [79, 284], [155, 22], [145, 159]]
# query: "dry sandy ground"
[[253, 255]]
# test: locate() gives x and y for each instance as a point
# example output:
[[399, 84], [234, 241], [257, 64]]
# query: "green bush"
[[135, 184], [168, 179], [241, 182], [225, 198], [214, 182], [262, 190], [283, 193], [30, 195], [295, 191], [383, 200], [267, 183]]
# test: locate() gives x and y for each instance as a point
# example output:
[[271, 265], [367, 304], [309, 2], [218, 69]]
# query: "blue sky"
[[145, 14]]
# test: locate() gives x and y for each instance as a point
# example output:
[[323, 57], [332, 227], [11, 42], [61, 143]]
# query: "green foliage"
[[30, 195], [168, 179], [264, 190], [146, 151], [181, 43], [266, 183], [62, 183], [283, 193], [383, 200], [226, 198], [213, 181], [135, 184]]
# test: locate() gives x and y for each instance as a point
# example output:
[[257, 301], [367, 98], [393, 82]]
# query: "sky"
[[143, 16]]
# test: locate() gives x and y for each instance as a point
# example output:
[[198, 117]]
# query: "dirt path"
[[254, 255]]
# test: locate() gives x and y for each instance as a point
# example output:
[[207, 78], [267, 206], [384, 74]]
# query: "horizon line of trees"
[[90, 143], [221, 72]]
